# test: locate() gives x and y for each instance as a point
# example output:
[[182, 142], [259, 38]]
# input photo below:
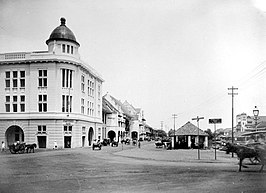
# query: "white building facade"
[[51, 95]]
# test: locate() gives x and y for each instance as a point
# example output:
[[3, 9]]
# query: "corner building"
[[49, 96]]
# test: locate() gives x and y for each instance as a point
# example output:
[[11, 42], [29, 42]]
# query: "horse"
[[30, 147], [247, 152]]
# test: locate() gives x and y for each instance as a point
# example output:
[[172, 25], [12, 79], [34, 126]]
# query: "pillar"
[[189, 141], [206, 141]]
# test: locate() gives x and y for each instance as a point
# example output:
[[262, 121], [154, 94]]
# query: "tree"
[[211, 135], [161, 133]]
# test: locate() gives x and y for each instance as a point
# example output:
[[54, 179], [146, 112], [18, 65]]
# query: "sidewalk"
[[150, 152]]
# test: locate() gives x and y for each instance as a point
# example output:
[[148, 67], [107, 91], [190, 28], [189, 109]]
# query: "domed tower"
[[63, 41]]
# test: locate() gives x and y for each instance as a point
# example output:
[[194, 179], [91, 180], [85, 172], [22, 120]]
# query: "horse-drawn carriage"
[[114, 143], [22, 147], [96, 144], [126, 141]]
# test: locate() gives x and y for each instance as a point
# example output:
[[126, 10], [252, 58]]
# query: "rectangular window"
[[15, 98], [63, 77], [15, 103], [41, 128], [15, 79], [7, 79], [72, 50], [90, 88], [67, 78], [42, 78], [22, 103], [90, 110], [68, 50], [82, 106], [66, 103], [70, 78], [67, 128], [7, 104], [63, 103], [63, 48], [82, 83], [99, 92], [83, 130], [22, 79], [42, 104]]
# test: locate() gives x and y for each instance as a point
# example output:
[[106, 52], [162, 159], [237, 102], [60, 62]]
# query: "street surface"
[[127, 169]]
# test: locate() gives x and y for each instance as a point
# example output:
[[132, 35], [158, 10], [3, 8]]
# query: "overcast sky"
[[166, 57]]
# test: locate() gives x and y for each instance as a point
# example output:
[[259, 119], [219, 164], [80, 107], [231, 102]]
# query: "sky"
[[165, 57]]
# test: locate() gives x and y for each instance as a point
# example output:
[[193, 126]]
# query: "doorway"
[[13, 134], [83, 141], [67, 142], [112, 135], [41, 141], [90, 136]]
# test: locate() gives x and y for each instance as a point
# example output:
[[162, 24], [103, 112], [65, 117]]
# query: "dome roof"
[[62, 32]]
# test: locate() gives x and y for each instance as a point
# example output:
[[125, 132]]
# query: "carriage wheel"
[[254, 160], [12, 151], [21, 151]]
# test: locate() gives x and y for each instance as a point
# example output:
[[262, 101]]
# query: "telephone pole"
[[198, 118], [174, 116], [232, 89], [161, 125]]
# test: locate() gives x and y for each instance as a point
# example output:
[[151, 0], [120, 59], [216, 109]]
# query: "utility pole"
[[232, 89], [161, 125], [174, 116], [198, 118]]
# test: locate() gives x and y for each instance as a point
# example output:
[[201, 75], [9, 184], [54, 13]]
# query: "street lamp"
[[256, 114]]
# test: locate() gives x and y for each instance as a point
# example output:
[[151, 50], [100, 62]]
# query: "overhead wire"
[[255, 75]]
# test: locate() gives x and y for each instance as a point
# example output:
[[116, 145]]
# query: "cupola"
[[62, 32], [62, 41]]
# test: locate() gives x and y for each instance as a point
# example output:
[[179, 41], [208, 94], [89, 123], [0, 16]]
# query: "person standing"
[[3, 146], [55, 145]]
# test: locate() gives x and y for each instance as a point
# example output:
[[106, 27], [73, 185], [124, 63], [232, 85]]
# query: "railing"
[[14, 56]]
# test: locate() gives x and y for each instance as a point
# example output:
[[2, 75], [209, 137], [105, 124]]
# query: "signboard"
[[214, 121]]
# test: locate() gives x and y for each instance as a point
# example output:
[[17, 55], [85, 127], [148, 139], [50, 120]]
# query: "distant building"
[[50, 96], [247, 123], [189, 136], [122, 120], [117, 119]]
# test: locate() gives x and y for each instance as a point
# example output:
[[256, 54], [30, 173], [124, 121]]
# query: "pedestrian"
[[139, 144], [3, 146], [55, 145]]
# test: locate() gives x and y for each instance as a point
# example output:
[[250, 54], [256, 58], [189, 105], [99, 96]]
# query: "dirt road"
[[131, 169]]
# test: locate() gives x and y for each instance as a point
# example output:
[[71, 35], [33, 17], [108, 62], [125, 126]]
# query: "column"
[[206, 141], [189, 141]]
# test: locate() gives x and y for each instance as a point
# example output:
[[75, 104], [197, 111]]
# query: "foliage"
[[160, 133], [211, 135]]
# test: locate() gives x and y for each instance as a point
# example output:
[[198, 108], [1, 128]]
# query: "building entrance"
[[112, 136], [67, 142], [90, 136], [83, 141], [41, 141], [14, 134]]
